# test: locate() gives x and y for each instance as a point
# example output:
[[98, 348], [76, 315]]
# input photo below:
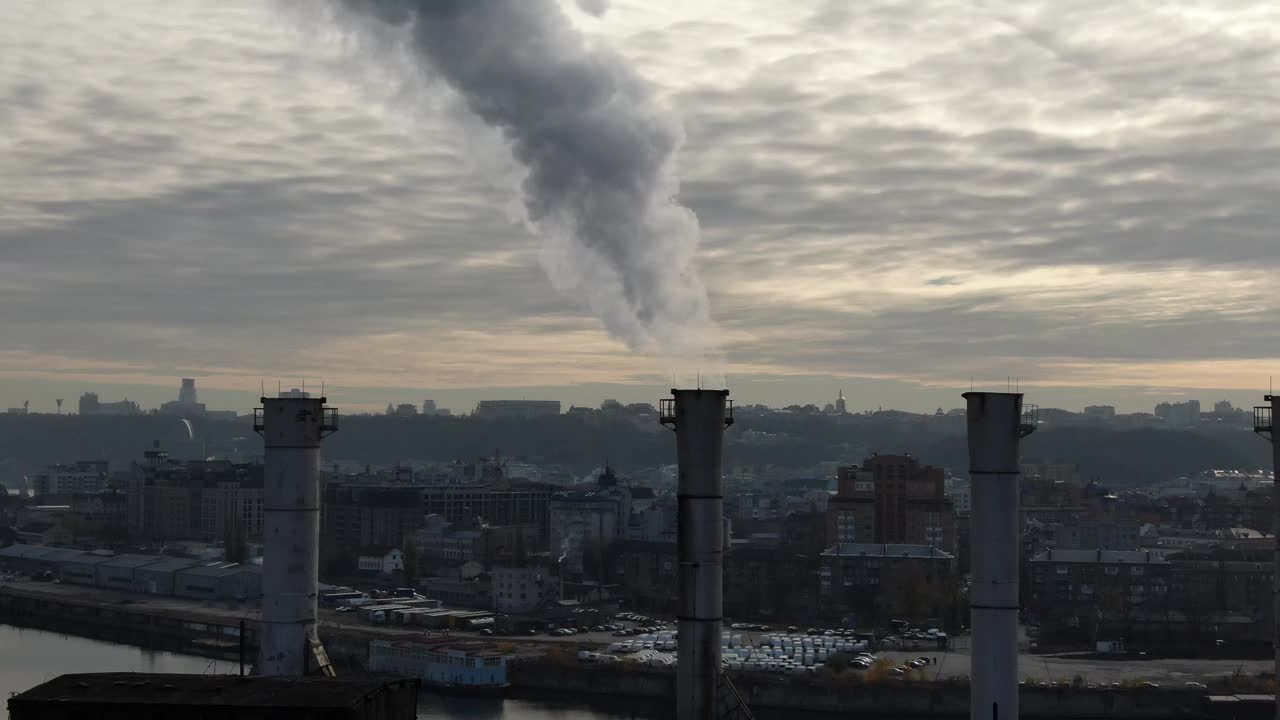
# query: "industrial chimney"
[[1263, 424], [292, 430], [997, 421], [699, 418]]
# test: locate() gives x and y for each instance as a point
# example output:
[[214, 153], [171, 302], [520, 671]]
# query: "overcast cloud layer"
[[1076, 192]]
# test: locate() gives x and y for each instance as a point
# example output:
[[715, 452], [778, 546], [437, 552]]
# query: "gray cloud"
[[913, 190]]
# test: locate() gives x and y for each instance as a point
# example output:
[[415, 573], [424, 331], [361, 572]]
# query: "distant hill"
[[1118, 458]]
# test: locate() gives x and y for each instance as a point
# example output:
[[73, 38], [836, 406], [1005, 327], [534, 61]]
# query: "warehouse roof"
[[169, 564], [25, 552], [219, 569], [130, 561], [66, 554]]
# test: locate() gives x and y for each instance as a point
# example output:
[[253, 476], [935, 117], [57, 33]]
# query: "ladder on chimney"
[[729, 702]]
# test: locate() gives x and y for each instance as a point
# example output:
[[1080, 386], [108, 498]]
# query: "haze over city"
[[893, 198]]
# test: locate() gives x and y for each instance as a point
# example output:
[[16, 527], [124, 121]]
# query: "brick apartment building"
[[892, 499]]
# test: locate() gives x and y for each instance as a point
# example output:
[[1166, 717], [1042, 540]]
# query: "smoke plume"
[[593, 7], [597, 151]]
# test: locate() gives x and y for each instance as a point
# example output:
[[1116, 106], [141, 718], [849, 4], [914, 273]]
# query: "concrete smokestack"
[[292, 430], [699, 418], [1264, 425], [995, 426]]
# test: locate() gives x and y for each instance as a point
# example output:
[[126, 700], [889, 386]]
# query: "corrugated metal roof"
[[87, 559], [64, 554], [131, 561], [169, 565], [1105, 557], [890, 551], [25, 552], [219, 569]]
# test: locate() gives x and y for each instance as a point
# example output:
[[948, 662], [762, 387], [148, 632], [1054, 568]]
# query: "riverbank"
[[541, 671], [784, 696]]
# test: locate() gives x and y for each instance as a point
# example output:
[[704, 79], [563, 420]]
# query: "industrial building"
[[121, 572], [587, 519], [125, 696], [150, 574], [218, 581]]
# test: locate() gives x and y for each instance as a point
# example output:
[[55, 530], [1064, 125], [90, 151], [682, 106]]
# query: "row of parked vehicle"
[[662, 642]]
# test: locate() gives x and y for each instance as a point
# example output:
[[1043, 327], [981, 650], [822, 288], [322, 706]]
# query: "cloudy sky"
[[895, 196]]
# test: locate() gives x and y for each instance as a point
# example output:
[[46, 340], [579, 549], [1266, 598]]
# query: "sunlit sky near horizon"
[[895, 196]]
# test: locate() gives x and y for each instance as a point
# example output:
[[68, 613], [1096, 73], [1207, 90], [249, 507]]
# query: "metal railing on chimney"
[[1262, 420]]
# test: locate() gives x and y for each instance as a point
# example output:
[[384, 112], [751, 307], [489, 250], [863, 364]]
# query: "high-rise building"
[[211, 501], [187, 393], [186, 405], [1180, 415], [841, 409], [892, 499], [359, 516], [584, 521], [91, 405]]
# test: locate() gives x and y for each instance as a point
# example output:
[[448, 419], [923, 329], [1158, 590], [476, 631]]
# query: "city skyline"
[[805, 391], [224, 193]]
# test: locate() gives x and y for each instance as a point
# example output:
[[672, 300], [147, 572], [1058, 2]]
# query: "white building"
[[580, 519], [82, 477], [960, 497], [522, 590], [380, 561]]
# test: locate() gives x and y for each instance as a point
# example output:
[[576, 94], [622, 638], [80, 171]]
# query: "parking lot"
[[654, 641]]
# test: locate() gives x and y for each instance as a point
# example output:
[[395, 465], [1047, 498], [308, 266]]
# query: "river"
[[30, 657]]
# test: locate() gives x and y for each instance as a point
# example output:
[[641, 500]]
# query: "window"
[[1112, 570], [1063, 569], [1137, 570]]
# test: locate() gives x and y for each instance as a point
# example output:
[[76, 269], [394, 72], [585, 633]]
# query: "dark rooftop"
[[207, 690]]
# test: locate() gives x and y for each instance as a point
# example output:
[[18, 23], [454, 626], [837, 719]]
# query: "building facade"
[[380, 561], [516, 409], [210, 501], [892, 499], [522, 590], [85, 476], [507, 503], [867, 580], [360, 516], [583, 522]]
